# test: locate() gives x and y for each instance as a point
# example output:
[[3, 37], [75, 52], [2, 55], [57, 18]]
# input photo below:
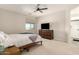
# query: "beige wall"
[[58, 22], [12, 22]]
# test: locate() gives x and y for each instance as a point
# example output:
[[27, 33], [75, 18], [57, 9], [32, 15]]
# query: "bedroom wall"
[[59, 22], [12, 22]]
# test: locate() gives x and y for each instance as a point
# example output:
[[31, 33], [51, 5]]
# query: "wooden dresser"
[[47, 34]]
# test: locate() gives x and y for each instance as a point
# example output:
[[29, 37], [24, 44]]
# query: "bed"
[[22, 41]]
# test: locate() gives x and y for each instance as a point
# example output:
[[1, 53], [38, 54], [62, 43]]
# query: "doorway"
[[75, 25]]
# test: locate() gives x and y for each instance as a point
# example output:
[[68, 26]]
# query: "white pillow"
[[5, 39], [2, 36]]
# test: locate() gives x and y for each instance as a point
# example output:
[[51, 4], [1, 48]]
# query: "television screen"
[[45, 26]]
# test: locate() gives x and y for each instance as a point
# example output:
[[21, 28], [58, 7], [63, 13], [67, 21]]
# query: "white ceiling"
[[30, 8]]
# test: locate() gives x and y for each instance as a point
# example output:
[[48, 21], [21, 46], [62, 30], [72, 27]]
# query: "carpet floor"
[[52, 47]]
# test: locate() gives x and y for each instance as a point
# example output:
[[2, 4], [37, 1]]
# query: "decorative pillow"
[[33, 38]]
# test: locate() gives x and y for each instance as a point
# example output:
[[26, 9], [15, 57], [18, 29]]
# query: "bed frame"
[[28, 46]]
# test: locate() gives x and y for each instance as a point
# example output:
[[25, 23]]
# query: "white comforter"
[[21, 39]]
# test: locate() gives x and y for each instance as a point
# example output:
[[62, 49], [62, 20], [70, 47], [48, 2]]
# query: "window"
[[29, 26]]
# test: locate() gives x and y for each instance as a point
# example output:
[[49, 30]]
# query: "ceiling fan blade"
[[43, 8], [40, 11]]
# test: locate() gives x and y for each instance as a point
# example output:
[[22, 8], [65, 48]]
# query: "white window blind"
[[29, 26]]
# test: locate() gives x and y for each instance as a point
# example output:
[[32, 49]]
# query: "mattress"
[[22, 39]]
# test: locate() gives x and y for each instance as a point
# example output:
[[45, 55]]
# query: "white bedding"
[[22, 39]]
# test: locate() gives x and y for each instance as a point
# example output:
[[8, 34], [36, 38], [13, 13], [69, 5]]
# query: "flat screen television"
[[45, 26]]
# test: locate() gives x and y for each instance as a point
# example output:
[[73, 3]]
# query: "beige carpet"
[[52, 47]]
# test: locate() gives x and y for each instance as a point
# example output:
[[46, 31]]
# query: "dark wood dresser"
[[47, 34]]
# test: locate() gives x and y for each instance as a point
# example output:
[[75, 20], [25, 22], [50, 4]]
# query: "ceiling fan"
[[40, 9]]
